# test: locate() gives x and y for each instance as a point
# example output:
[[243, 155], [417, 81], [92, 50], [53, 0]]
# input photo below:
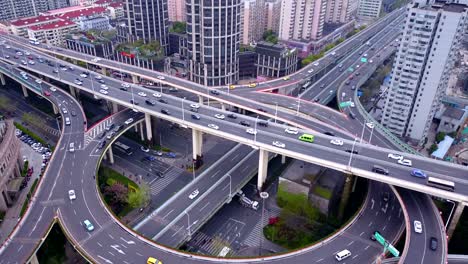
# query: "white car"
[[194, 194], [64, 110], [160, 77], [126, 85], [405, 162], [337, 142], [251, 131], [352, 104], [128, 121], [219, 116], [78, 82], [195, 106], [395, 156], [31, 62], [371, 61], [98, 77], [278, 144], [71, 195], [158, 95], [291, 130], [103, 86], [370, 125], [144, 149], [103, 91], [417, 227], [27, 53], [316, 64], [310, 71], [213, 126], [39, 81], [142, 94], [83, 75]]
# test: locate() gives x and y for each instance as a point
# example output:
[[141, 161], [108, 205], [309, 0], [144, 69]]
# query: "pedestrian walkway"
[[159, 184], [253, 239]]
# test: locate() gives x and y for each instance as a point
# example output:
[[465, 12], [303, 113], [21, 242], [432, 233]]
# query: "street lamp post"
[[230, 185], [193, 169], [255, 129], [362, 133], [183, 114], [351, 156], [276, 111], [298, 106], [450, 215], [264, 196], [371, 133]]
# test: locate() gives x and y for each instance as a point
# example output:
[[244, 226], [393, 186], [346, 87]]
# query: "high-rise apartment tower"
[[302, 19]]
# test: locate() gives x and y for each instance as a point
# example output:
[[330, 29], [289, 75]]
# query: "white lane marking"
[[130, 242], [116, 247], [362, 233], [201, 209], [139, 254], [111, 253], [99, 244], [366, 247], [235, 157], [110, 236], [370, 223], [350, 243], [19, 248], [214, 174], [355, 256], [319, 260], [383, 229], [74, 211], [106, 260], [168, 214], [372, 206], [38, 220]]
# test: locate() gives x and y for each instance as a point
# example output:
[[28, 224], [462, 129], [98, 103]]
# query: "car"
[[433, 243], [160, 77], [27, 53], [194, 194], [285, 78], [379, 170], [233, 116], [55, 71], [371, 61], [194, 110], [150, 102], [123, 88], [353, 87], [165, 111], [125, 85], [316, 64], [278, 144], [291, 130], [352, 105], [110, 127], [417, 227], [358, 73], [219, 116], [195, 116], [214, 92], [337, 142], [110, 135], [158, 153], [47, 93], [31, 62], [152, 260], [372, 237], [142, 94], [98, 77], [134, 102], [78, 82], [144, 149], [365, 55], [157, 95], [103, 82], [71, 195], [103, 91], [418, 173], [103, 86], [244, 123], [310, 71], [87, 224], [101, 144], [263, 123], [329, 133], [369, 124], [347, 82], [173, 90], [251, 131], [386, 197], [64, 110], [195, 105], [352, 151], [395, 156], [163, 101], [63, 68], [405, 162], [252, 85], [213, 126], [83, 75], [128, 121]]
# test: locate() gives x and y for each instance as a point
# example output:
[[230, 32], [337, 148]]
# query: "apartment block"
[[369, 9], [426, 54], [302, 19], [253, 21], [272, 13], [176, 9], [340, 11]]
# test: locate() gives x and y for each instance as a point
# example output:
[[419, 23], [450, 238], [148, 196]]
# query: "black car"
[[433, 243], [263, 123], [233, 116], [244, 123], [385, 197], [150, 102], [262, 110], [317, 100], [195, 110], [214, 92], [110, 127], [357, 73], [101, 144], [380, 170], [165, 111], [73, 113], [329, 133], [133, 102], [347, 82], [351, 151], [351, 115], [102, 135], [118, 128], [195, 116], [123, 89], [163, 101]]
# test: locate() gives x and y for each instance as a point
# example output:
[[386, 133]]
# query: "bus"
[[441, 184], [307, 138], [124, 148]]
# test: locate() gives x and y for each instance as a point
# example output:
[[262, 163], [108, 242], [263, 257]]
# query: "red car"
[[46, 93]]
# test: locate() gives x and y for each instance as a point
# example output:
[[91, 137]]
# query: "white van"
[[72, 147], [67, 121], [342, 255]]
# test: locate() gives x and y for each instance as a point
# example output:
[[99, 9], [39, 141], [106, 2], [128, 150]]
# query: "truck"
[[245, 201]]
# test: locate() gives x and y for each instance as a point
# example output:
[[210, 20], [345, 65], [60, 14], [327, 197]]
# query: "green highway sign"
[[345, 104], [382, 241]]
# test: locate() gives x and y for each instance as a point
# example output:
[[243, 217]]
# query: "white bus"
[[441, 184], [124, 148]]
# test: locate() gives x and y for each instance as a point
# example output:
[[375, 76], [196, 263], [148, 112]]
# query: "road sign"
[[382, 241], [345, 104], [364, 60]]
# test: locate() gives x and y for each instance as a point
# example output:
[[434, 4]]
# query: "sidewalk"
[[12, 214]]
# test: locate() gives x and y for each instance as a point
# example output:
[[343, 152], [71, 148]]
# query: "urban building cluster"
[[10, 164]]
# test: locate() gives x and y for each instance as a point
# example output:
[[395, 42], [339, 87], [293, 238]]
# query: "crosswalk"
[[159, 184], [207, 244], [253, 239], [91, 134]]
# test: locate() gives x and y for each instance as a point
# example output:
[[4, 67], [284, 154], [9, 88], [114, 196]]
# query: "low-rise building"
[[178, 44], [451, 119], [275, 60], [53, 33], [20, 27], [98, 23], [247, 67], [10, 164], [97, 47], [116, 10]]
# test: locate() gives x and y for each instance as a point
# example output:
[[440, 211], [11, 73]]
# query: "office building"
[[340, 11], [253, 21], [275, 60], [176, 9], [426, 54], [14, 9], [302, 19], [369, 9], [213, 30], [148, 20]]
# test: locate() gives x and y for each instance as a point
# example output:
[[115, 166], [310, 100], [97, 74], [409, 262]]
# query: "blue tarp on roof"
[[443, 147]]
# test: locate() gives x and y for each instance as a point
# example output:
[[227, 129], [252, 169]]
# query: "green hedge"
[[322, 192], [28, 197], [30, 133], [25, 168]]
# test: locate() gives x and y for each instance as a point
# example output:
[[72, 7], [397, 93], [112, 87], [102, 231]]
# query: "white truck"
[[245, 201]]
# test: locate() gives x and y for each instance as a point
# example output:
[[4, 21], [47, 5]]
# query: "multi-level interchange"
[[363, 147]]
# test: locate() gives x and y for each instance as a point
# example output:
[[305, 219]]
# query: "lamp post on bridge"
[[264, 196]]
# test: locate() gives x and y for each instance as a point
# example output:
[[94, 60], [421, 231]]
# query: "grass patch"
[[322, 192], [111, 176], [30, 133]]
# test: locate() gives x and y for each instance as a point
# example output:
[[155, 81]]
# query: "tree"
[[440, 136], [178, 27], [141, 197], [270, 36], [117, 193]]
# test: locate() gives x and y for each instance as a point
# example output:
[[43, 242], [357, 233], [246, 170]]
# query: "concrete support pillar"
[[115, 107], [56, 110], [34, 259], [149, 130], [72, 91], [283, 159], [197, 142], [142, 135], [200, 100], [262, 168], [223, 107], [455, 218], [134, 79], [111, 155], [104, 71], [25, 91], [2, 79], [136, 128]]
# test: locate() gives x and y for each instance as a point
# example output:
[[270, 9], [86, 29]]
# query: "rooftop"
[[101, 2], [59, 24], [32, 20], [82, 12], [454, 113], [65, 10], [116, 4]]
